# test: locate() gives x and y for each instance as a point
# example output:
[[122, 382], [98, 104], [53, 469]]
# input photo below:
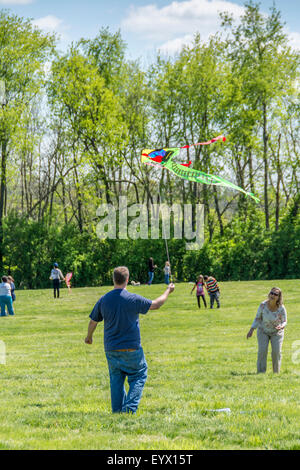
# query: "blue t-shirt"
[[120, 311]]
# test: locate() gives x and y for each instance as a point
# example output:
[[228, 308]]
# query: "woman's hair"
[[4, 279], [200, 278], [120, 276], [10, 278], [167, 263], [279, 300]]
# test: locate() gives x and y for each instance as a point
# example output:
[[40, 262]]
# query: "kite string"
[[164, 234]]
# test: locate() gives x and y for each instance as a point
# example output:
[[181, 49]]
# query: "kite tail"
[[220, 137]]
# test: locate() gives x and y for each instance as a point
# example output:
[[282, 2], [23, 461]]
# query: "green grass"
[[55, 389]]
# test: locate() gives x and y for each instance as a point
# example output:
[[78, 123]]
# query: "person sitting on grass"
[[5, 297], [122, 340]]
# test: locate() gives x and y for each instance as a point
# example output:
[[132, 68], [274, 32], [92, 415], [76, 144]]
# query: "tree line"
[[73, 125]]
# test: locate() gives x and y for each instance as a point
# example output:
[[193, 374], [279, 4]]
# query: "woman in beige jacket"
[[270, 321]]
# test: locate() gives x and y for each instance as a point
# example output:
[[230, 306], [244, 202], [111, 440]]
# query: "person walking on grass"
[[56, 276], [213, 290], [120, 311], [5, 297], [199, 284], [270, 321]]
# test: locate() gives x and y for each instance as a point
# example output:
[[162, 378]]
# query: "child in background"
[[200, 290], [167, 271], [213, 290]]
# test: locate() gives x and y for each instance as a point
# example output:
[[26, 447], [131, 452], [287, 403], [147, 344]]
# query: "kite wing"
[[163, 158]]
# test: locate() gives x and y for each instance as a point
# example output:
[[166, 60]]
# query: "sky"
[[145, 25]]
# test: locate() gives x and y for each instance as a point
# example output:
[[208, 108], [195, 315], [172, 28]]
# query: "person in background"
[[120, 310], [200, 290], [167, 272], [5, 297], [151, 269], [56, 275], [270, 321], [213, 290], [11, 280]]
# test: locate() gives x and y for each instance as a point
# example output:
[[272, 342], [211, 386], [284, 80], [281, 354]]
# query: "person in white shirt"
[[56, 275], [167, 272], [270, 321], [5, 297]]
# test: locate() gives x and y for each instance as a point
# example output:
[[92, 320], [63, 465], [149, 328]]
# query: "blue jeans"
[[130, 364], [167, 279], [214, 297], [151, 276], [6, 300]]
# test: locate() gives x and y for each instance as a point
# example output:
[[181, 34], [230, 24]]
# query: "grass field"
[[55, 389]]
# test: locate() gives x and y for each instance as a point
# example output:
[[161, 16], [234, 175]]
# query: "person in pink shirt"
[[199, 284]]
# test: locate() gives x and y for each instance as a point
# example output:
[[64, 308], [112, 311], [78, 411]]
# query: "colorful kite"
[[163, 158], [68, 278]]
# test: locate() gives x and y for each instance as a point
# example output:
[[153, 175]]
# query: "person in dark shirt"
[[151, 269], [120, 309]]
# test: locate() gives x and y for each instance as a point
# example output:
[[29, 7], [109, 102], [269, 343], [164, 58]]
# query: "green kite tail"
[[164, 158]]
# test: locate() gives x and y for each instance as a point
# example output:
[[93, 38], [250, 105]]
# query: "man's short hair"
[[121, 274]]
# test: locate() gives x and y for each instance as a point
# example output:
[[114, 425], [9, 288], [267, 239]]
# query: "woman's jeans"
[[130, 364], [6, 300], [263, 340], [151, 276], [167, 279]]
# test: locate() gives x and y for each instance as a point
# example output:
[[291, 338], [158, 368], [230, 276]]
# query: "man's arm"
[[157, 303], [91, 328]]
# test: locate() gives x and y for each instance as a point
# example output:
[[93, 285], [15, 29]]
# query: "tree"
[[92, 116], [263, 62], [24, 50]]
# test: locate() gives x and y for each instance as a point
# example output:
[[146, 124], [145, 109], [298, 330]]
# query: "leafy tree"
[[263, 62], [24, 51]]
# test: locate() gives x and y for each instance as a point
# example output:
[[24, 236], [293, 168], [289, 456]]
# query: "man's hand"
[[91, 328], [171, 287], [157, 303]]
